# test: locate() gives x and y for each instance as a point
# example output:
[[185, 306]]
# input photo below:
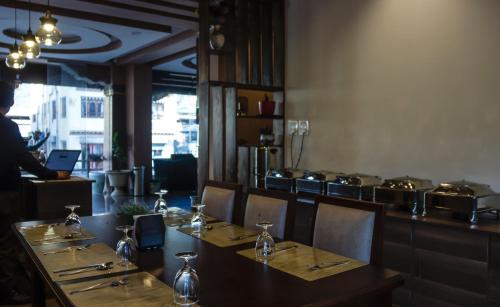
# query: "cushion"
[[344, 231], [219, 203], [269, 209]]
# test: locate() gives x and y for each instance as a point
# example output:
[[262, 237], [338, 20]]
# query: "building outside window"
[[68, 130]]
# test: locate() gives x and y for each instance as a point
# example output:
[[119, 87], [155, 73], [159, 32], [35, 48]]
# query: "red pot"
[[266, 107]]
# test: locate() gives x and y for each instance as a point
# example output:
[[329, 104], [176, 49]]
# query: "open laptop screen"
[[62, 160]]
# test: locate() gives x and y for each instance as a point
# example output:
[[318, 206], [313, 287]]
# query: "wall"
[[397, 87]]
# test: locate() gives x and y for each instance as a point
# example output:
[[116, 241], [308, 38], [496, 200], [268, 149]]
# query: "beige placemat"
[[142, 289], [299, 261], [51, 233], [95, 253], [223, 234], [178, 217]]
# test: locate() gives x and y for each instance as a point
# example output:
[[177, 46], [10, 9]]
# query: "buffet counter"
[[445, 261]]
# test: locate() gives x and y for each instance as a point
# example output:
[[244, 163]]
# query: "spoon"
[[100, 267], [328, 265], [104, 284]]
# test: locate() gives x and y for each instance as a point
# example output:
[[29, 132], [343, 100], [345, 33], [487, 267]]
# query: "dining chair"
[[349, 227], [222, 201], [277, 207]]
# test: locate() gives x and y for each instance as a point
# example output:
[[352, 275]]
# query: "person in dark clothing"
[[13, 154]]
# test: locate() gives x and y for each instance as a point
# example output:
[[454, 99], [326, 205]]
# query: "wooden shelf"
[[245, 86], [261, 117]]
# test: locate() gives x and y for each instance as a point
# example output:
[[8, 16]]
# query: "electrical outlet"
[[292, 126], [303, 127]]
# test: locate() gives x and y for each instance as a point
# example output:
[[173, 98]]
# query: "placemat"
[[223, 234], [178, 217], [306, 262], [95, 253], [51, 233], [142, 289]]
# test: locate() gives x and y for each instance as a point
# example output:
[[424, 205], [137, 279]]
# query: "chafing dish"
[[358, 186], [314, 182], [282, 179], [405, 192], [464, 198]]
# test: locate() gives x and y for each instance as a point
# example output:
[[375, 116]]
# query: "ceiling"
[[159, 32]]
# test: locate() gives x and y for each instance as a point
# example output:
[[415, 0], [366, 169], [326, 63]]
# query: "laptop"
[[62, 160]]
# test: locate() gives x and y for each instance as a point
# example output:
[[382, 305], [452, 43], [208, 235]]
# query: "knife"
[[284, 249], [78, 268]]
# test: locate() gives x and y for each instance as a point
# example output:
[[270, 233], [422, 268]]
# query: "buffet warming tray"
[[282, 179], [315, 182], [464, 198], [404, 192], [357, 186]]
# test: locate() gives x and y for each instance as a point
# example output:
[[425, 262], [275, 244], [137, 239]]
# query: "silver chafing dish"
[[406, 192], [282, 179], [464, 198], [357, 186], [314, 182]]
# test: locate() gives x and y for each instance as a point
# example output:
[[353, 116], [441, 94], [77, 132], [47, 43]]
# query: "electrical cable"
[[301, 148]]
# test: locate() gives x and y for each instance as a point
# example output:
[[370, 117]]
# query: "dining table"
[[226, 277]]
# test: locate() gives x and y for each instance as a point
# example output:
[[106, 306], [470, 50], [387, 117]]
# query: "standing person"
[[13, 154]]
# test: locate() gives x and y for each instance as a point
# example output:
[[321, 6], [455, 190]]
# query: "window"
[[54, 110], [64, 144], [63, 107], [174, 131], [92, 107]]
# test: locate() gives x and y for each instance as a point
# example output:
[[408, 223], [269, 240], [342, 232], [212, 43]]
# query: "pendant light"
[[48, 33], [15, 59], [29, 47]]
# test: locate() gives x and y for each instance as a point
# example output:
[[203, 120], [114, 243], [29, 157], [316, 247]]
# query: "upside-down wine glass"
[[198, 221], [186, 282], [161, 204], [73, 225], [125, 248], [264, 246]]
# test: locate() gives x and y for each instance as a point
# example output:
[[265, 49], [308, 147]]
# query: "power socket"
[[303, 127], [292, 126]]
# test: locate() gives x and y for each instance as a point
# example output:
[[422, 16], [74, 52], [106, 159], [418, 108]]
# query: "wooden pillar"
[[116, 115], [138, 124]]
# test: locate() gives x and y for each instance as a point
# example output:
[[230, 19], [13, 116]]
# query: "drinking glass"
[[198, 221], [125, 248], [264, 247], [73, 225], [186, 282], [161, 204]]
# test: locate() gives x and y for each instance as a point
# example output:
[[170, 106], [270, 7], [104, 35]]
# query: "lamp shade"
[[29, 47], [48, 33], [15, 59]]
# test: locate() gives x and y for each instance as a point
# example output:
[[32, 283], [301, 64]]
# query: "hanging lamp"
[[29, 47], [48, 33], [15, 59]]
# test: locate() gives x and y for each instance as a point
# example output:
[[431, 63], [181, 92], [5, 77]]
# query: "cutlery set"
[[327, 265], [67, 249], [98, 267], [101, 285]]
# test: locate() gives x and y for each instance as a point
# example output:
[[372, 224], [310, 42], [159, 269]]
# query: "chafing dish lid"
[[464, 188], [321, 175], [358, 180], [285, 173], [407, 183]]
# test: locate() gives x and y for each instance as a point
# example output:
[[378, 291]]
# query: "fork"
[[237, 238], [68, 249], [328, 265]]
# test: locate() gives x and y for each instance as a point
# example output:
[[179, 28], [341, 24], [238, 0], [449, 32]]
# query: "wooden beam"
[[141, 9], [173, 57], [172, 5], [154, 47], [88, 16]]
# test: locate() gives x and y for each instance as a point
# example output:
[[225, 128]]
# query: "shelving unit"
[[251, 65]]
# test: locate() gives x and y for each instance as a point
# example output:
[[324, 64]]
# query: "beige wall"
[[397, 87]]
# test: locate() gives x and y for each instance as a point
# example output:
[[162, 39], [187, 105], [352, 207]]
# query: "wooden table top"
[[229, 279]]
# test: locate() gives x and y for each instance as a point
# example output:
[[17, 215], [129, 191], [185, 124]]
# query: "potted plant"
[[118, 177], [130, 209]]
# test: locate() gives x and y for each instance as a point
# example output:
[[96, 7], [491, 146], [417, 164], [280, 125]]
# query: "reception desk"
[[45, 199]]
